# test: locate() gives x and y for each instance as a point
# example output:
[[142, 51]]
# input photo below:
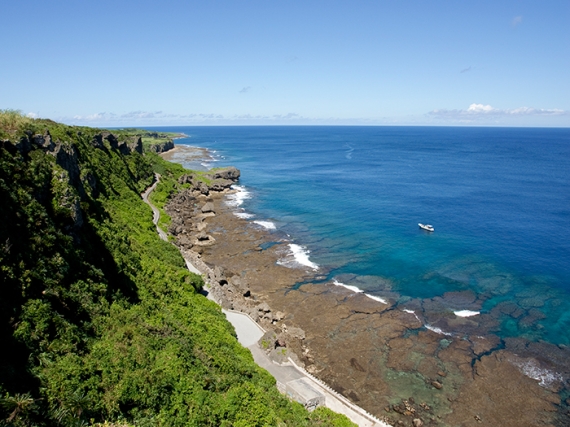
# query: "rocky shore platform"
[[379, 355]]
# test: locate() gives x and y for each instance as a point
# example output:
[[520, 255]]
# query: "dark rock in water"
[[460, 299]]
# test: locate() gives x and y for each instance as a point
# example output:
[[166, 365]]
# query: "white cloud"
[[480, 111], [158, 118], [516, 21], [32, 115], [480, 108]]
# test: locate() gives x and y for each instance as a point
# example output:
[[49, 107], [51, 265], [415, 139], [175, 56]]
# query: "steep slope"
[[99, 317]]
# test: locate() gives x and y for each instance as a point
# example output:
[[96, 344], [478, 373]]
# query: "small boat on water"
[[426, 227]]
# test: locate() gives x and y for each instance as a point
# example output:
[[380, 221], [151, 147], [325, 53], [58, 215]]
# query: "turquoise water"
[[499, 199]]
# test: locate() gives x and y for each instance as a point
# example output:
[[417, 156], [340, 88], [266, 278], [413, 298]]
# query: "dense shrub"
[[99, 319]]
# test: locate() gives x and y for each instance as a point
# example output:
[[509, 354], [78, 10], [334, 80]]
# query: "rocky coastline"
[[380, 356]]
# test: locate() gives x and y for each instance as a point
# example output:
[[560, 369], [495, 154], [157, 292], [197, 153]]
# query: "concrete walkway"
[[155, 211], [291, 379]]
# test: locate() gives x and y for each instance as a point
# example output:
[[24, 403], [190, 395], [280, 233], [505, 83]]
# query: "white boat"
[[426, 227]]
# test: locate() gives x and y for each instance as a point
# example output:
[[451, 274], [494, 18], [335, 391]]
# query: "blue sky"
[[122, 63]]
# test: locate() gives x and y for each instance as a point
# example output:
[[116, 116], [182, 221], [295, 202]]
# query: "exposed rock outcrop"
[[161, 147]]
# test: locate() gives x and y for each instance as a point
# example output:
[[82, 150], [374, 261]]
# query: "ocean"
[[349, 200]]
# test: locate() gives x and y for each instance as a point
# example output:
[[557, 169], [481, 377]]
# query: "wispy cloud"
[[245, 89], [32, 115], [480, 111], [465, 70], [147, 118], [517, 20]]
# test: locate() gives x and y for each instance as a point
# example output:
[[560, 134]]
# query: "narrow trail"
[[155, 211], [291, 379]]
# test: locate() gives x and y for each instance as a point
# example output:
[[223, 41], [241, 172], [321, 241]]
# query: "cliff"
[[101, 318]]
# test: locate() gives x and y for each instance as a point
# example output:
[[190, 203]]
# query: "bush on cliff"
[[99, 319]]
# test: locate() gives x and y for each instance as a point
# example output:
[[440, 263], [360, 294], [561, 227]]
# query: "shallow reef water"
[[349, 199]]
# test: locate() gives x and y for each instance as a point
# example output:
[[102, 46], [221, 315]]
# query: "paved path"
[[155, 212], [249, 332]]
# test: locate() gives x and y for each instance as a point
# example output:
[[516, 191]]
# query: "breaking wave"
[[266, 224], [299, 256], [236, 199], [358, 290]]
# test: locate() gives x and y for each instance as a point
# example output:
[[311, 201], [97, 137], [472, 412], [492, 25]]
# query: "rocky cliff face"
[[161, 147], [71, 183]]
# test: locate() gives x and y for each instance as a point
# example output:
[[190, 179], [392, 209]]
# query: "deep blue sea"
[[499, 199]]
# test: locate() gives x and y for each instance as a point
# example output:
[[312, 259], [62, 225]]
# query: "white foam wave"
[[412, 312], [437, 330], [352, 288], [266, 224], [358, 290], [299, 256], [544, 377], [243, 215], [236, 199], [466, 313], [382, 300]]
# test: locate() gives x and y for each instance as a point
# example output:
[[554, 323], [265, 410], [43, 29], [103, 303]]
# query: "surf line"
[[358, 290]]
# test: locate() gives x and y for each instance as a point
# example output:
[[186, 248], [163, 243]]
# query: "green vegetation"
[[150, 138], [100, 322]]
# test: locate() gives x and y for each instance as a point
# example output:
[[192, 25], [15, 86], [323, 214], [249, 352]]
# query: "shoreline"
[[290, 378], [375, 338]]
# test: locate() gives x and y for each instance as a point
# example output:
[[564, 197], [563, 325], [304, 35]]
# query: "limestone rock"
[[136, 145], [161, 147], [230, 173], [43, 141], [208, 207]]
